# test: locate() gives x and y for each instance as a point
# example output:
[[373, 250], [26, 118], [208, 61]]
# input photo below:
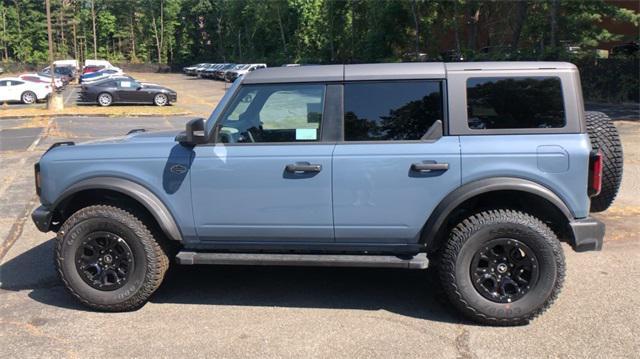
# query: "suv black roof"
[[387, 71]]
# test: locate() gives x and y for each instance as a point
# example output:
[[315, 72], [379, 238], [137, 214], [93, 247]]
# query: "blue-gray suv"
[[479, 170]]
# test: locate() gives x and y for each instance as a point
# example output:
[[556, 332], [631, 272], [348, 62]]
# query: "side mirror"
[[193, 134]]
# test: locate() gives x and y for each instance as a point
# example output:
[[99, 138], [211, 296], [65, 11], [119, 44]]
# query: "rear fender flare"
[[472, 189]]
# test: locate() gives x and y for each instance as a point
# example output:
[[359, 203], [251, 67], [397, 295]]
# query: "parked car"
[[221, 72], [91, 69], [67, 63], [191, 70], [65, 72], [57, 83], [370, 165], [99, 75], [210, 72], [232, 75], [200, 68], [47, 76], [103, 63], [126, 91], [14, 89], [200, 71]]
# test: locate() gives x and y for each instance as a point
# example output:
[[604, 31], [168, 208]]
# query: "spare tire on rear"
[[604, 137]]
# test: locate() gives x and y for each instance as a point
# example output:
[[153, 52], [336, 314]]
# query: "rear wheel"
[[105, 99], [108, 259], [160, 99], [502, 267], [28, 97], [604, 137]]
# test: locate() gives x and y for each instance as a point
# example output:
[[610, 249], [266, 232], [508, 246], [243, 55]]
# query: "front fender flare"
[[134, 190], [475, 188]]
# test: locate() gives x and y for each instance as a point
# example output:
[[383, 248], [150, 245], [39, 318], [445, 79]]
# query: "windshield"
[[221, 105]]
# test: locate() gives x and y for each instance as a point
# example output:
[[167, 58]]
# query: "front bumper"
[[41, 217], [588, 234]]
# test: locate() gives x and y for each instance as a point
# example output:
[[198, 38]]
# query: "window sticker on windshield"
[[125, 84], [306, 134]]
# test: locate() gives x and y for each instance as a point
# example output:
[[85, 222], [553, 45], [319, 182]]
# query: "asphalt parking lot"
[[239, 312]]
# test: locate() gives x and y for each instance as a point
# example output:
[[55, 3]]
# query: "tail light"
[[595, 173]]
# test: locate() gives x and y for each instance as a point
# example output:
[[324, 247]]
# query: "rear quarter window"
[[514, 103]]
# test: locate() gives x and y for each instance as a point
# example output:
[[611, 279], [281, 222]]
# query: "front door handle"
[[303, 167], [428, 167]]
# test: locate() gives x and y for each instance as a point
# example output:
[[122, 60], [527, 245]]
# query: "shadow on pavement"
[[406, 292]]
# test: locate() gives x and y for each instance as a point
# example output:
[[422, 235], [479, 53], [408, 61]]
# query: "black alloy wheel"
[[104, 261], [504, 270]]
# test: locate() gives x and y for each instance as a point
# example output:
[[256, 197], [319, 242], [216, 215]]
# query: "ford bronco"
[[479, 170]]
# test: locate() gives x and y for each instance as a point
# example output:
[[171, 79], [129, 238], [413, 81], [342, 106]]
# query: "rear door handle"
[[303, 167], [428, 167]]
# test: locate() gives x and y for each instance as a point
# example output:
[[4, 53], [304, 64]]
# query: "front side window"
[[274, 113], [391, 111], [514, 102], [127, 84]]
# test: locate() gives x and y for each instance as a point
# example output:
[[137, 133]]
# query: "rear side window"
[[514, 102], [391, 111]]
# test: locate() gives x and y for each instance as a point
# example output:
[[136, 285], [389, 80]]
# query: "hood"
[[155, 86], [139, 145], [137, 137]]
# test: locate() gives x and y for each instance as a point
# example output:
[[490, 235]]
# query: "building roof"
[[387, 71]]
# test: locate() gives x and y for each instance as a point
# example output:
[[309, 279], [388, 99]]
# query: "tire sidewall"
[[534, 299], [73, 239]]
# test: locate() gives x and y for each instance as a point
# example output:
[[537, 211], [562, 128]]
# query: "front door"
[[130, 91], [268, 177], [390, 173]]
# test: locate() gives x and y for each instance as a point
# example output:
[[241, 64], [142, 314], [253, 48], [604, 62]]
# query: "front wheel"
[[108, 259], [502, 267], [160, 99]]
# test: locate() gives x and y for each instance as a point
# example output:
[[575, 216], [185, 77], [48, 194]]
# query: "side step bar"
[[419, 261]]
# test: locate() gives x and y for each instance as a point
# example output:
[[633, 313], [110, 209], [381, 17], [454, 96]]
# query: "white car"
[[104, 63], [100, 75], [14, 89], [33, 77]]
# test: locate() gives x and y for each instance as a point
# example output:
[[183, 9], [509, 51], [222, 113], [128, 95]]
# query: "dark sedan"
[[126, 90]]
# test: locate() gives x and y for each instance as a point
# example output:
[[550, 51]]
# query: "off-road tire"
[[604, 137], [151, 262], [472, 234]]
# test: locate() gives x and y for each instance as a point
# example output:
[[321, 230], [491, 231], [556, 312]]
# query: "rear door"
[[387, 175], [268, 178]]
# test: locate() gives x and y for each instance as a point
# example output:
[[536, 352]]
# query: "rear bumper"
[[588, 234], [41, 217]]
